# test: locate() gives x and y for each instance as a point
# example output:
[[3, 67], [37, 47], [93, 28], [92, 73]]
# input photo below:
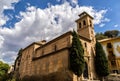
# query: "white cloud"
[[1, 41], [99, 16], [116, 25], [102, 25], [106, 20], [5, 4], [9, 57], [37, 24], [74, 2], [2, 21], [58, 0]]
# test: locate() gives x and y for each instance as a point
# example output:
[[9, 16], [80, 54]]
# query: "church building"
[[46, 58]]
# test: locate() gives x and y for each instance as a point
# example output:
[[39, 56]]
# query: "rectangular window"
[[54, 47], [80, 25], [109, 45], [111, 53], [42, 51], [113, 63], [85, 45]]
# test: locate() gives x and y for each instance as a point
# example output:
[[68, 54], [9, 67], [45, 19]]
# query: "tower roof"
[[83, 14]]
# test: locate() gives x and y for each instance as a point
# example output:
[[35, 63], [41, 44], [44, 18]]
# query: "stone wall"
[[47, 58], [25, 65], [52, 63], [53, 46], [52, 57]]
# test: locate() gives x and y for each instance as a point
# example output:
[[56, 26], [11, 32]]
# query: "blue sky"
[[25, 21], [112, 8]]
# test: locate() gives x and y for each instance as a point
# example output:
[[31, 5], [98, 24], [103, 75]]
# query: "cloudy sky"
[[25, 21]]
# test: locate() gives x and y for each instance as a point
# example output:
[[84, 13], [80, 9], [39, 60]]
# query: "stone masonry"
[[44, 58]]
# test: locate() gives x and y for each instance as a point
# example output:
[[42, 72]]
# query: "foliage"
[[112, 33], [3, 71], [20, 52], [77, 62], [12, 80], [101, 62], [107, 34], [100, 36]]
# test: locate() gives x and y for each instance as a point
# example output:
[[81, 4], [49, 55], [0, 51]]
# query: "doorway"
[[85, 73]]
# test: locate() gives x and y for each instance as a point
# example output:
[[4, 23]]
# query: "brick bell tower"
[[85, 29]]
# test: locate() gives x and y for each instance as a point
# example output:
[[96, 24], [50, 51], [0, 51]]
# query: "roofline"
[[85, 13], [107, 39], [83, 16], [67, 33], [31, 45], [49, 54]]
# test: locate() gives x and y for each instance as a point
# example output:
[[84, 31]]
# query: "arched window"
[[84, 22], [90, 23]]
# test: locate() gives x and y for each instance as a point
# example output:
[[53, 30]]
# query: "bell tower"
[[85, 27]]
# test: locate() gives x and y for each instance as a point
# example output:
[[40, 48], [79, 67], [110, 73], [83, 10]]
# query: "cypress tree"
[[101, 62], [76, 55]]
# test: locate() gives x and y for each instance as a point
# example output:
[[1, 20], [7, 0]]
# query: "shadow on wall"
[[57, 76]]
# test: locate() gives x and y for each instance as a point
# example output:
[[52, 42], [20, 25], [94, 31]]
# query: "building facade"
[[44, 58], [111, 47]]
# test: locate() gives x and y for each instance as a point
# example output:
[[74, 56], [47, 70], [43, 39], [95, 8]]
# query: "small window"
[[55, 47], [43, 52], [84, 22], [85, 44], [80, 25], [18, 63], [91, 31], [90, 23], [113, 63], [109, 45], [111, 53], [115, 71]]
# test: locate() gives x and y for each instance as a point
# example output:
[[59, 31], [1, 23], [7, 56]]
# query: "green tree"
[[3, 71], [112, 33], [100, 36], [101, 62], [77, 62]]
